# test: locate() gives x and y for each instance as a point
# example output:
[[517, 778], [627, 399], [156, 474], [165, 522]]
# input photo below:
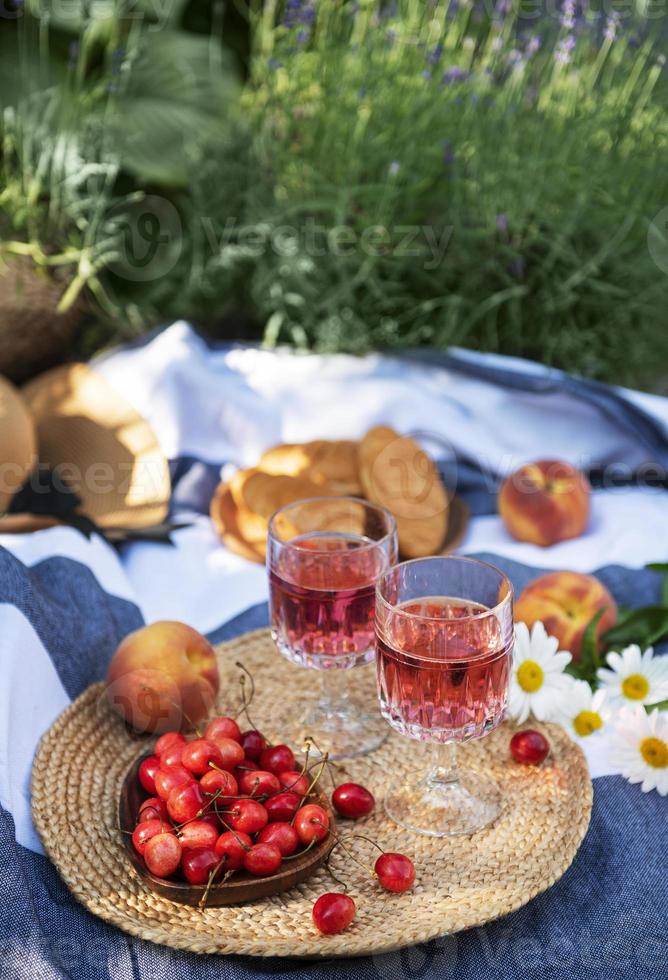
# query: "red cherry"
[[277, 758], [231, 753], [352, 800], [221, 784], [247, 815], [395, 872], [259, 783], [283, 806], [311, 823], [223, 728], [199, 756], [233, 847], [169, 738], [529, 747], [282, 835], [253, 743], [246, 766], [198, 864], [172, 756], [198, 833], [298, 782], [167, 780], [262, 860], [147, 772], [333, 912], [144, 831], [163, 855], [152, 809], [185, 802]]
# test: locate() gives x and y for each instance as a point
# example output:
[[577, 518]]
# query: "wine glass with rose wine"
[[444, 630], [324, 557]]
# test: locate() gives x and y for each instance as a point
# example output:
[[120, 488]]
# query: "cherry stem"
[[209, 884], [246, 702], [299, 854], [339, 841]]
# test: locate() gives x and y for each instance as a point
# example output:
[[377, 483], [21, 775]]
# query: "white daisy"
[[639, 748], [538, 683], [635, 677], [582, 711]]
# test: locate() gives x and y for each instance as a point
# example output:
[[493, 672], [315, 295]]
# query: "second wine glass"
[[324, 557]]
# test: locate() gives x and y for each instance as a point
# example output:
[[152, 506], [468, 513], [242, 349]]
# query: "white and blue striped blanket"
[[66, 601]]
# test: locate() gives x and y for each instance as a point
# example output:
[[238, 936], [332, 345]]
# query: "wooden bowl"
[[242, 887]]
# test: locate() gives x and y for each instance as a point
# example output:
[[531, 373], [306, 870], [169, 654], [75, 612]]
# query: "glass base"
[[342, 727], [442, 805]]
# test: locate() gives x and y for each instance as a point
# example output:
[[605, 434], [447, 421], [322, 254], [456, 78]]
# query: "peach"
[[162, 677], [545, 502], [566, 602]]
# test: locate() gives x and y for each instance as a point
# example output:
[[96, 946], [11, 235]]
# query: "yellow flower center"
[[635, 687], [655, 752], [587, 722], [530, 676]]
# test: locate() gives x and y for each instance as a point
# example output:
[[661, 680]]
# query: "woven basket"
[[461, 882], [32, 335]]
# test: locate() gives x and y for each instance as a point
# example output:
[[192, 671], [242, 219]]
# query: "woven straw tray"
[[461, 882]]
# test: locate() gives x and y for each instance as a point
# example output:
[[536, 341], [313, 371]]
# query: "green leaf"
[[590, 659], [180, 92], [644, 626]]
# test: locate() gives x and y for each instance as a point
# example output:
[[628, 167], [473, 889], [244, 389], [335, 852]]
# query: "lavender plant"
[[447, 172]]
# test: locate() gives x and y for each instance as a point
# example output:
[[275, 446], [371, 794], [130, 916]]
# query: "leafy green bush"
[[527, 159]]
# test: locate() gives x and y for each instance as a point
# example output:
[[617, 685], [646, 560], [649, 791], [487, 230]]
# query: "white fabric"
[[230, 405]]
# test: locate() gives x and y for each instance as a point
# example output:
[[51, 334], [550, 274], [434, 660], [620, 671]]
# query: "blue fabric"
[[605, 918]]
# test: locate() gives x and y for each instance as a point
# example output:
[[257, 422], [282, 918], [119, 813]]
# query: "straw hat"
[[102, 450], [18, 443]]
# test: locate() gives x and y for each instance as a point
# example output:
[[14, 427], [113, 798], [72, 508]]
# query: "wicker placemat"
[[461, 882]]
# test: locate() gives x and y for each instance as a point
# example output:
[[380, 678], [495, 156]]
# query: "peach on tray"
[[162, 677]]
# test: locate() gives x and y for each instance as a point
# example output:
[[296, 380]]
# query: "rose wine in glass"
[[324, 558], [444, 647]]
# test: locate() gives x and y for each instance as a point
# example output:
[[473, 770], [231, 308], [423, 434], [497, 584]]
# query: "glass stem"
[[444, 763], [333, 691]]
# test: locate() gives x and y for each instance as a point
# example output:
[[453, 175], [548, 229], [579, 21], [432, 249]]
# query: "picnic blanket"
[[66, 600]]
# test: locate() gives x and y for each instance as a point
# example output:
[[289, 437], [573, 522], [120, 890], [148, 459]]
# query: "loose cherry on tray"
[[311, 823], [283, 835], [262, 860], [232, 846], [147, 773], [223, 728], [529, 747], [333, 912], [395, 872], [277, 758], [353, 801]]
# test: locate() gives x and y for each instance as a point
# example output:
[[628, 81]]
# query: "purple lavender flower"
[[436, 55], [611, 26], [533, 46], [502, 223], [426, 74], [453, 75], [567, 19], [564, 50]]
